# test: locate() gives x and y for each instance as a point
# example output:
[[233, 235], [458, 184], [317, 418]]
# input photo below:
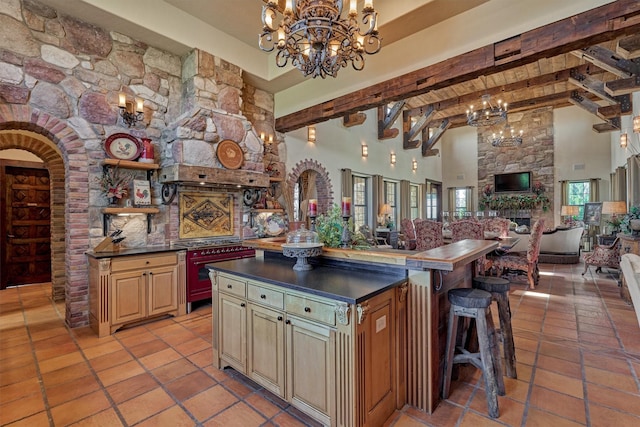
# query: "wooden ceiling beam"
[[427, 146], [629, 47], [610, 125], [386, 118], [592, 85], [612, 20], [608, 60], [410, 131], [354, 119], [622, 86]]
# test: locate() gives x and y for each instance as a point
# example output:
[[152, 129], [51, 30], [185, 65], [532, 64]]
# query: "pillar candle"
[[313, 207], [346, 206]]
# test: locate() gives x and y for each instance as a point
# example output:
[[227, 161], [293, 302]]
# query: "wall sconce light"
[[414, 165], [636, 124], [262, 137], [311, 134], [131, 112], [623, 140], [365, 150], [393, 158], [270, 139]]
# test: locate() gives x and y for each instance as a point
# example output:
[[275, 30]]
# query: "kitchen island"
[[417, 306]]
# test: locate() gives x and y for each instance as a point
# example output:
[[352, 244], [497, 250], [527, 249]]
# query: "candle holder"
[[346, 233], [312, 222]]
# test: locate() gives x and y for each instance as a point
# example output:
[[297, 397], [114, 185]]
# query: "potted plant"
[[630, 223], [114, 184]]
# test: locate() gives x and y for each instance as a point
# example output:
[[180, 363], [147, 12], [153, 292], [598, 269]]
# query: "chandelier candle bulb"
[[353, 9], [313, 207], [139, 105], [346, 206], [122, 100]]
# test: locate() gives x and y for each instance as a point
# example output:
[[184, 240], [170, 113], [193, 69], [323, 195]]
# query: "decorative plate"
[[123, 146], [275, 225], [230, 154]]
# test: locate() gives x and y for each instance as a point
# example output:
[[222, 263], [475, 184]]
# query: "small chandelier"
[[316, 38], [507, 137], [489, 115]]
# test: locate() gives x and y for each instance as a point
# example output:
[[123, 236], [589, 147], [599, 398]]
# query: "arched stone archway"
[[65, 157], [324, 188]]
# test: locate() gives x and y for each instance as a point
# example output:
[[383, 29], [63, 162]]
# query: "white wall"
[[459, 149], [23, 155]]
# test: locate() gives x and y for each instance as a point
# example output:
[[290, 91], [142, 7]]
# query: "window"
[[460, 200], [433, 200], [578, 193], [390, 199], [360, 201], [413, 201]]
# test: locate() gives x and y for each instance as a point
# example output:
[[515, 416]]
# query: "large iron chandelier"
[[489, 115], [316, 38], [508, 137]]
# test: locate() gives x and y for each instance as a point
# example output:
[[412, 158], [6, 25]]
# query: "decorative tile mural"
[[205, 215]]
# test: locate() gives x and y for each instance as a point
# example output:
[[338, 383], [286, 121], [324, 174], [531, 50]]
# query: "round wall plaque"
[[230, 154]]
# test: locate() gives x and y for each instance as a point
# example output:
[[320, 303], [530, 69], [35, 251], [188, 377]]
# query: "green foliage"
[[514, 201], [634, 213], [329, 227]]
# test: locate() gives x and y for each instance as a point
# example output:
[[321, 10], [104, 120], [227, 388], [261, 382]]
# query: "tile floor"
[[577, 345]]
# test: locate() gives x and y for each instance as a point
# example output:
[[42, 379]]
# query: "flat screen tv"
[[511, 182]]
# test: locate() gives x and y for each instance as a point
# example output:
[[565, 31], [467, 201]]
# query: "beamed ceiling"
[[589, 60]]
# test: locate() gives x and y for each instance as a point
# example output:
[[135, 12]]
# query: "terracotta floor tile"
[[571, 334], [615, 381], [64, 392], [537, 418], [570, 353], [285, 420], [102, 349], [459, 392], [80, 408], [18, 361], [238, 415], [141, 350], [145, 405], [192, 346], [110, 360], [174, 417], [190, 385], [105, 418], [474, 419], [202, 358], [66, 374], [614, 399], [56, 363], [607, 362], [9, 352], [18, 374], [559, 404], [262, 405], [21, 408], [516, 389], [560, 366], [602, 416], [132, 387], [120, 373], [444, 415], [210, 402], [16, 391], [174, 370], [559, 383], [161, 358]]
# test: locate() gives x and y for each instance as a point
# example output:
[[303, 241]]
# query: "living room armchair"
[[603, 256]]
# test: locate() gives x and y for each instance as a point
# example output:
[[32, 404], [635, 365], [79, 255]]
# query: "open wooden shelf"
[[131, 210], [267, 210], [129, 164], [276, 179]]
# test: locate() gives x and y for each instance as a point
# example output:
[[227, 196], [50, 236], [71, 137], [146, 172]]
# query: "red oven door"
[[198, 282]]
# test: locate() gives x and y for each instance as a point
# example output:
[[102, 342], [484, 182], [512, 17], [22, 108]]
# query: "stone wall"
[[535, 154], [60, 78]]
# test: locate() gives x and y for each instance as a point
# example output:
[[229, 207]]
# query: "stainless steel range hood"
[[212, 177]]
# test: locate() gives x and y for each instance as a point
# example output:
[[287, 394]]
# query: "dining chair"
[[527, 262], [408, 231], [428, 234], [603, 256], [497, 225], [466, 229]]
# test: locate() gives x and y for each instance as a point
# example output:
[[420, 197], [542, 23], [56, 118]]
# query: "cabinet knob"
[[288, 322], [263, 296], [144, 274], [229, 286], [147, 262], [243, 304], [307, 309], [280, 318], [151, 273]]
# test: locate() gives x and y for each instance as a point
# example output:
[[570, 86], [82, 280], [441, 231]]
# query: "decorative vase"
[[146, 156]]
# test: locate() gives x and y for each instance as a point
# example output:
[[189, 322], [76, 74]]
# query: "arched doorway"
[[65, 157]]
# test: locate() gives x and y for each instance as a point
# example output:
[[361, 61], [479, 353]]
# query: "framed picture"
[[592, 213], [141, 192]]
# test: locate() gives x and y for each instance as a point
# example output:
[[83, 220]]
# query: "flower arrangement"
[[114, 184], [487, 191], [537, 188], [625, 222], [514, 201], [329, 227]]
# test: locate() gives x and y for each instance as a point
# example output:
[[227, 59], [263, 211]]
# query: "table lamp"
[[385, 211], [569, 211], [614, 209]]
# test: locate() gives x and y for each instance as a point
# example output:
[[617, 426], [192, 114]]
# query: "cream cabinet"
[[131, 288], [337, 362]]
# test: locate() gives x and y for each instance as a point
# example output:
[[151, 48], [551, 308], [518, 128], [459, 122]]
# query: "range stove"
[[203, 252]]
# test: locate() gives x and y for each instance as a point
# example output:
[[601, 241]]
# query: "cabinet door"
[[163, 290], [310, 368], [232, 318], [265, 348], [128, 297]]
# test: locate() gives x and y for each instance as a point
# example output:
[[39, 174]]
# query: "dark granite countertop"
[[136, 251], [343, 284]]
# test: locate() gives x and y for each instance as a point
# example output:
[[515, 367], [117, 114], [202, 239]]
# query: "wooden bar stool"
[[474, 304], [499, 290]]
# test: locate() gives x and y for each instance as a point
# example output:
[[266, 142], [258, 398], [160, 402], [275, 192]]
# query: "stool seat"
[[470, 298], [491, 284]]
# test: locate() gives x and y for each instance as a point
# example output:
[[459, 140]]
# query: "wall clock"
[[123, 146]]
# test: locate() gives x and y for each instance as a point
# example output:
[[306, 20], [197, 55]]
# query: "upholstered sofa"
[[558, 246], [630, 266]]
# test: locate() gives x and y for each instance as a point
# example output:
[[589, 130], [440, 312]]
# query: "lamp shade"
[[385, 209], [614, 208], [570, 210]]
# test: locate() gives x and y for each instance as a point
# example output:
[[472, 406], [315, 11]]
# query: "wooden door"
[[233, 332], [163, 290], [265, 352], [26, 226], [128, 297]]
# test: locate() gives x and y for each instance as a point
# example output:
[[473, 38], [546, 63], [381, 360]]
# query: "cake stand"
[[301, 251]]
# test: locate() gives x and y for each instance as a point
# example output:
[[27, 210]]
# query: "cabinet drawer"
[[311, 309], [265, 296], [232, 286], [143, 262]]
